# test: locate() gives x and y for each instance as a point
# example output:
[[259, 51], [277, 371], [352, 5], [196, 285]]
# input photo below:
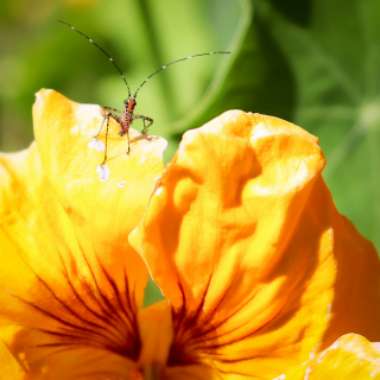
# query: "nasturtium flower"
[[262, 278]]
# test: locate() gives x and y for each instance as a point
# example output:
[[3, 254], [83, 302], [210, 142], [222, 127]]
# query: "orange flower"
[[260, 272]]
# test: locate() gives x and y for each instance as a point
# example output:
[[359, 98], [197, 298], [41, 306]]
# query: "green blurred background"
[[313, 62]]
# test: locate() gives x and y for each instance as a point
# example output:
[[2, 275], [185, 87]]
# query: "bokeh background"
[[313, 62]]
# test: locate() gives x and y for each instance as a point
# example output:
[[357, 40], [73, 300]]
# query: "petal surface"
[[243, 238], [349, 357], [70, 280], [103, 202], [10, 368]]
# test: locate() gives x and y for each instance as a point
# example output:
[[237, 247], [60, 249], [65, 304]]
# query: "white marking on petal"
[[158, 145], [159, 191], [261, 130], [333, 347], [121, 184], [280, 377], [97, 145], [103, 172], [376, 345], [88, 118], [307, 373], [40, 97], [74, 130], [375, 371], [155, 147], [230, 117], [142, 159]]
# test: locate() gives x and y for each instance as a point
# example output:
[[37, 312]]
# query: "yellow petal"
[[243, 238], [69, 278], [84, 363], [106, 207], [349, 357], [20, 175]]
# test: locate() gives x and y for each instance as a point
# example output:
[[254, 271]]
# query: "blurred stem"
[[156, 53]]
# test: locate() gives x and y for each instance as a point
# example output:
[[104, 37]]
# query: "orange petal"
[[10, 368], [69, 277], [191, 372], [243, 238], [156, 333]]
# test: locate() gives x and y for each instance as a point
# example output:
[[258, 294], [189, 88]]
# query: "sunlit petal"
[[102, 207], [70, 280], [349, 357], [243, 238]]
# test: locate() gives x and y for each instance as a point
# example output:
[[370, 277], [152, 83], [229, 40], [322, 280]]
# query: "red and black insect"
[[126, 117]]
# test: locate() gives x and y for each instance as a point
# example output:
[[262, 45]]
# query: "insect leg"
[[111, 109], [106, 140], [147, 122], [112, 113], [101, 126], [129, 142], [109, 112]]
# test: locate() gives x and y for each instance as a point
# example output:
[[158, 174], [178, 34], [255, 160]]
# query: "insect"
[[127, 116]]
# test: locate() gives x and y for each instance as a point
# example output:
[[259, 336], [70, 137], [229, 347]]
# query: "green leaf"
[[334, 52], [257, 78]]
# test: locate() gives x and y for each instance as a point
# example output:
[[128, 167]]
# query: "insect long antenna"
[[104, 51], [164, 67]]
